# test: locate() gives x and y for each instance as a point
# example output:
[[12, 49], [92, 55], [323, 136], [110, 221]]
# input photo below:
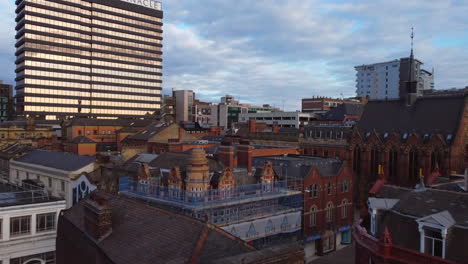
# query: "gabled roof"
[[149, 131], [443, 219], [57, 160], [145, 234], [385, 204], [427, 115]]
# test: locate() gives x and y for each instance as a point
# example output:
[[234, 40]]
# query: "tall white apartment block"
[[381, 81]]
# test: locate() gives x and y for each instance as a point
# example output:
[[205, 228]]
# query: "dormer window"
[[433, 232], [449, 137], [433, 242], [405, 136]]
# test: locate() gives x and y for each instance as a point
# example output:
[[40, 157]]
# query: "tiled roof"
[[299, 166], [427, 115], [149, 131], [145, 234], [57, 160]]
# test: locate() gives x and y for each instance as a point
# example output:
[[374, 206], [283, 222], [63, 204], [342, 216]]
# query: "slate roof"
[[57, 160], [428, 202], [149, 131], [145, 234], [342, 110], [107, 122], [82, 140], [300, 166], [427, 115]]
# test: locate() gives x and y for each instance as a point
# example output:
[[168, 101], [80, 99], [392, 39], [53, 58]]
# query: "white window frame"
[[423, 236], [373, 222]]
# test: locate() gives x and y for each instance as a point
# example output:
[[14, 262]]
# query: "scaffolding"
[[221, 207]]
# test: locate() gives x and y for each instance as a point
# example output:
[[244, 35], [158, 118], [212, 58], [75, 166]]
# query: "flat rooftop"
[[12, 195]]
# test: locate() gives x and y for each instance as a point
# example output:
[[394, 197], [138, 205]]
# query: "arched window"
[[392, 165], [344, 208], [374, 164], [413, 166], [436, 159], [313, 216], [357, 160], [329, 212]]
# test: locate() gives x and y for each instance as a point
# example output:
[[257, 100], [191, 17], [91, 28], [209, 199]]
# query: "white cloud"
[[280, 51]]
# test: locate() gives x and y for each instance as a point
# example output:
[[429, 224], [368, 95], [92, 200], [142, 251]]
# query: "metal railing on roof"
[[204, 198], [11, 194]]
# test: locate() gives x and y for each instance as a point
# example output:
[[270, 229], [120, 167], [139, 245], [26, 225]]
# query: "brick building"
[[106, 133], [319, 104], [406, 137], [326, 185], [158, 138], [413, 226], [326, 141]]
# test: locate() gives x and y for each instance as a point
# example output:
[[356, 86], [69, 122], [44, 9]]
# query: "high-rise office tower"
[[97, 58]]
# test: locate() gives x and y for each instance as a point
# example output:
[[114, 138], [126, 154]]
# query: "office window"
[[45, 222], [20, 225]]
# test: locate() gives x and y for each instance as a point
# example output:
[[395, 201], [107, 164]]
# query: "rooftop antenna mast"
[[412, 38]]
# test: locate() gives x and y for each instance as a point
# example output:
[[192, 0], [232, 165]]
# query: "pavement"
[[342, 256]]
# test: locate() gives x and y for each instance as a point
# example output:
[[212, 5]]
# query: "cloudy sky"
[[280, 51]]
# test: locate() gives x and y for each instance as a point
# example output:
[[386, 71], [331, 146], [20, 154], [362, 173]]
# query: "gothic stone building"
[[409, 140]]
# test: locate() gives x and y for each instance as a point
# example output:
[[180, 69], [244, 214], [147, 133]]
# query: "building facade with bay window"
[[96, 58]]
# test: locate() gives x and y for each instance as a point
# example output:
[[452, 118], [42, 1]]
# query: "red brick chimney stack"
[[98, 216], [181, 134], [226, 155], [244, 155], [252, 126]]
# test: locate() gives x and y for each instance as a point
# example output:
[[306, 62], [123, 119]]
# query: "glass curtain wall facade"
[[94, 58]]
